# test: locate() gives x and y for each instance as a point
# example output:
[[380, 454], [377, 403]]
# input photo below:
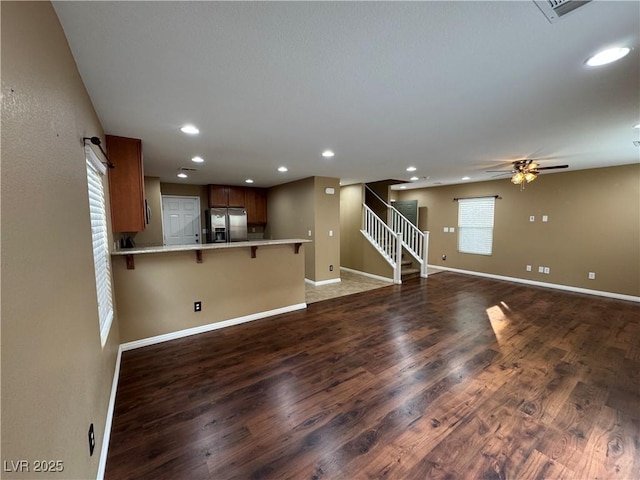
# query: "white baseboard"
[[568, 288], [370, 275], [108, 422], [322, 282], [209, 327]]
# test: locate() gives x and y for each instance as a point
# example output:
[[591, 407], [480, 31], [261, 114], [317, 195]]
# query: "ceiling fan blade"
[[498, 171], [501, 174], [552, 168]]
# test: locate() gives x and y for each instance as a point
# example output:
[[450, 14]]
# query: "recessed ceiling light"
[[403, 187], [197, 159], [328, 154], [248, 180], [637, 125], [607, 56], [466, 178], [411, 169], [283, 169], [182, 175], [190, 129], [413, 179]]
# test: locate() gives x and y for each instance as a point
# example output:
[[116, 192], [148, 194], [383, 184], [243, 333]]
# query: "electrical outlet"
[[331, 268], [92, 440], [331, 233], [309, 232], [540, 269], [547, 270], [197, 306], [592, 275], [528, 268]]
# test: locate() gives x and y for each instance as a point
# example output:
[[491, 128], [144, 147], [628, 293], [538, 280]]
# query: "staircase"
[[407, 270], [392, 241]]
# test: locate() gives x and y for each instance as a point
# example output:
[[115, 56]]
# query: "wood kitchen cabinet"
[[226, 196], [256, 205], [126, 184]]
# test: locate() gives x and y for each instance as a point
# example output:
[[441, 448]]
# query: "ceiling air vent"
[[555, 9]]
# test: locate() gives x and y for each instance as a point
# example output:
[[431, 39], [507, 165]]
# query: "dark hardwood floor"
[[452, 377]]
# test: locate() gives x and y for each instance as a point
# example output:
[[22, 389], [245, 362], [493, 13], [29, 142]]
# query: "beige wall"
[[290, 214], [157, 297], [355, 251], [56, 377], [152, 234], [327, 218], [594, 226], [295, 208]]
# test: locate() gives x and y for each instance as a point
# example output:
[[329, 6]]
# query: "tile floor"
[[349, 284]]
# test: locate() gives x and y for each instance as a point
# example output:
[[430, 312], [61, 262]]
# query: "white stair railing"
[[387, 242], [415, 242]]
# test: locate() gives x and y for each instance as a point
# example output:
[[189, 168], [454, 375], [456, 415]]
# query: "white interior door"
[[180, 220]]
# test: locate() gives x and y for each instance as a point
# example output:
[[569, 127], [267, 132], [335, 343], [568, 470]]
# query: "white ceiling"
[[454, 88]]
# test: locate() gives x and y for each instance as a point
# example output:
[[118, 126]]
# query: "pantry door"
[[180, 220]]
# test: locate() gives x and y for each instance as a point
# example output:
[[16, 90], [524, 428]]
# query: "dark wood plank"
[[447, 377]]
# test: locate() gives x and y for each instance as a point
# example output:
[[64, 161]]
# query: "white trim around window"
[[100, 242], [475, 225]]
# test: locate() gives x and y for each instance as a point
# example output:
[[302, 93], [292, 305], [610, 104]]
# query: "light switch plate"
[[532, 218], [528, 268], [446, 229], [540, 269], [452, 229], [592, 275], [545, 218], [547, 270]]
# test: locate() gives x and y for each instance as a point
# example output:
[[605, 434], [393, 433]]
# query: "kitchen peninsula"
[[156, 288]]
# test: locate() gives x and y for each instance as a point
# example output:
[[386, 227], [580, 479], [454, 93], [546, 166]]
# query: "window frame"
[[480, 218], [100, 242]]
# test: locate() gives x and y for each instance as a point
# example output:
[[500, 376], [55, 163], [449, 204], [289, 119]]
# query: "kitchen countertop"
[[206, 246]]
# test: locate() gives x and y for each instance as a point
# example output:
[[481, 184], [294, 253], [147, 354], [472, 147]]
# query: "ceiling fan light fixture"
[[517, 178], [530, 176]]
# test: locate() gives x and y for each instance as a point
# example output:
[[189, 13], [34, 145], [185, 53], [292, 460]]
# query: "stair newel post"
[[397, 275], [425, 255], [365, 225]]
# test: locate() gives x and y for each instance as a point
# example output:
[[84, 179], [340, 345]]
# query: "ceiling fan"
[[525, 171]]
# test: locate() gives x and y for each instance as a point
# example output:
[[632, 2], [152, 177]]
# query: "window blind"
[[475, 225], [100, 240]]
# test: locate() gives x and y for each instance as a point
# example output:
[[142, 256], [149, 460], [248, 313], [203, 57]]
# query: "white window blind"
[[99, 235], [475, 225]]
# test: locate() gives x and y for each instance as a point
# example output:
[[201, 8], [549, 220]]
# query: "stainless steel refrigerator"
[[226, 225]]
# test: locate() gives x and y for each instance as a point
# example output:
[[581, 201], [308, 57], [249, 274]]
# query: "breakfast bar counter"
[[169, 292], [252, 245]]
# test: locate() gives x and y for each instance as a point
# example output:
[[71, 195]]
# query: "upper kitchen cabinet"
[[256, 205], [126, 184], [226, 196]]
